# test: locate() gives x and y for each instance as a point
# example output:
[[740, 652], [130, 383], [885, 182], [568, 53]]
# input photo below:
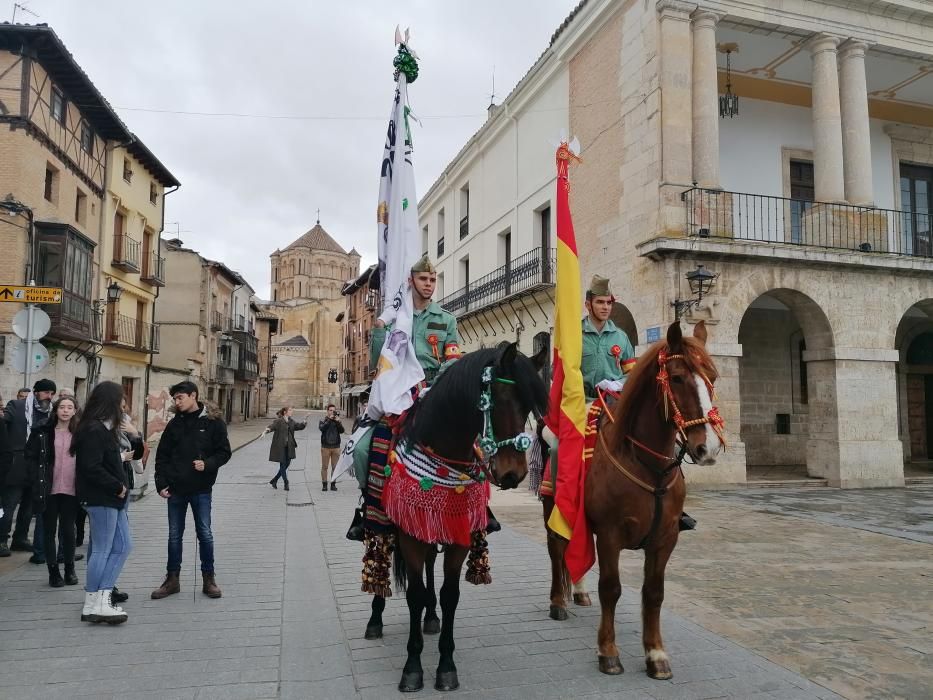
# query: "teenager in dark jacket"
[[192, 448], [21, 417], [53, 472], [331, 428], [282, 449], [103, 489]]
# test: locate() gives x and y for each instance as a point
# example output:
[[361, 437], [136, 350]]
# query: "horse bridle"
[[712, 417], [486, 445]]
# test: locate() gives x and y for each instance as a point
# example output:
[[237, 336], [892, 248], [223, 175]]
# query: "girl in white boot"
[[102, 490]]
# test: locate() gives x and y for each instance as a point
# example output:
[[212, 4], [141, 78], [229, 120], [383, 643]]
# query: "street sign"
[[40, 357], [653, 334], [41, 323], [30, 295]]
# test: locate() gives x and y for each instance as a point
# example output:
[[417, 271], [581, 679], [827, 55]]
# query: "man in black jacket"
[[192, 448], [331, 429], [21, 417]]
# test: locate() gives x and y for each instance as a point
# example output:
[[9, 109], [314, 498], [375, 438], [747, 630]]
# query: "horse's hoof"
[[582, 599], [659, 669], [558, 613], [373, 632], [411, 682], [610, 665], [432, 625], [446, 680]]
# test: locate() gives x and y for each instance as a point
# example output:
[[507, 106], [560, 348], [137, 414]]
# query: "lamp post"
[[701, 281], [14, 208]]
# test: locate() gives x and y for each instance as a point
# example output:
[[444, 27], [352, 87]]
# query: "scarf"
[[32, 404]]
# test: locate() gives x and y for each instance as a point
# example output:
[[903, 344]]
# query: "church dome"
[[317, 239]]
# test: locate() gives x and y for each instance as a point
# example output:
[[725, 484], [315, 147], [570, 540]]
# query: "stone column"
[[827, 123], [705, 100], [856, 140], [675, 79]]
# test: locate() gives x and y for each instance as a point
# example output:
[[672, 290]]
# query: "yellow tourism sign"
[[30, 295]]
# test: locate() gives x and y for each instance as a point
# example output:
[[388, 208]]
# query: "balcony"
[[228, 355], [219, 322], [125, 253], [219, 375], [240, 323], [532, 271], [716, 214], [247, 369], [131, 333], [153, 270]]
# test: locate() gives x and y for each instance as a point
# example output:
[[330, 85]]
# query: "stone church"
[[307, 277]]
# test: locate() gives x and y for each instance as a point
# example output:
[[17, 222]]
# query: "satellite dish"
[[41, 323], [40, 357]]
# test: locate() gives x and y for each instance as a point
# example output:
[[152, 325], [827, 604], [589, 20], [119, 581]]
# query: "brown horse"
[[634, 490], [486, 395]]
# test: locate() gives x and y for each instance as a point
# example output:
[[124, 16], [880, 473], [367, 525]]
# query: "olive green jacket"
[[606, 355], [434, 335]]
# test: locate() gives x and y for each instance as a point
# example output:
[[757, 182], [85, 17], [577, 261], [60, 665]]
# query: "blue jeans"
[[177, 512], [283, 470], [110, 547]]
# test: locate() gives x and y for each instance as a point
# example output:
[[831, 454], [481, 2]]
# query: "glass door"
[[916, 194]]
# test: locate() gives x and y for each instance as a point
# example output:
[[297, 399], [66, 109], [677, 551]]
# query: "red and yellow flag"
[[567, 408]]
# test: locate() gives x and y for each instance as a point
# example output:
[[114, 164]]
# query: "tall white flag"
[[399, 248]]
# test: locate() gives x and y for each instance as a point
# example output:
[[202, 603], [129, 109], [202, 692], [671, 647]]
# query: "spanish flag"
[[567, 408]]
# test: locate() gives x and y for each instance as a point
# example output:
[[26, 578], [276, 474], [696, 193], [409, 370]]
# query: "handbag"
[[355, 532]]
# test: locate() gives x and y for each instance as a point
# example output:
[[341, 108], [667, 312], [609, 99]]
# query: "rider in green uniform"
[[607, 352], [434, 336]]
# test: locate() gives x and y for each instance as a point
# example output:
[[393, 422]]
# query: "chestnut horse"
[[634, 490], [487, 394]]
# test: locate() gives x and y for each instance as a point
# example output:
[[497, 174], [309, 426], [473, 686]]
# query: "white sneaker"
[[90, 601]]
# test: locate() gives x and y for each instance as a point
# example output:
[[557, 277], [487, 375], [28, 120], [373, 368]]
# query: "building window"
[[464, 211], [87, 137], [802, 192], [129, 391], [440, 246], [424, 240], [81, 208], [544, 223], [127, 170], [153, 193], [51, 183], [505, 256], [804, 392], [59, 106], [65, 259], [917, 204], [441, 232], [782, 423]]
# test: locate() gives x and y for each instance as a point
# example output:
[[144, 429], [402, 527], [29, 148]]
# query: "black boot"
[[323, 486], [333, 486], [273, 484], [71, 578], [492, 525], [286, 484], [55, 577], [118, 596], [687, 523]]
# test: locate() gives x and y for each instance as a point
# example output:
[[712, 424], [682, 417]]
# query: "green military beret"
[[424, 265], [599, 287]]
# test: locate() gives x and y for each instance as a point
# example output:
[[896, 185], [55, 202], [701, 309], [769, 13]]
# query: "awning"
[[359, 389]]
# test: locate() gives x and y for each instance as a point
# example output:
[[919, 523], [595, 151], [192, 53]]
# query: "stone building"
[[810, 205], [212, 342], [307, 278], [362, 305], [69, 168]]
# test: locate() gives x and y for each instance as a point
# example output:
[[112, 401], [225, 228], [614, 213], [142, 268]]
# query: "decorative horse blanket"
[[432, 500]]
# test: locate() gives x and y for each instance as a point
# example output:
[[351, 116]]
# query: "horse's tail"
[[401, 571]]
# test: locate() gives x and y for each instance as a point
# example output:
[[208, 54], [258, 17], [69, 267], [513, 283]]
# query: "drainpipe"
[[152, 318]]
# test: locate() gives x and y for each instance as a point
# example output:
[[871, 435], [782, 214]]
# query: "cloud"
[[252, 184]]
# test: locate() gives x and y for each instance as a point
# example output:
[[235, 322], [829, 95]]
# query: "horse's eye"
[[677, 379]]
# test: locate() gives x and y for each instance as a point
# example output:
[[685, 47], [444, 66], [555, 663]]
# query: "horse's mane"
[[451, 404], [642, 381]]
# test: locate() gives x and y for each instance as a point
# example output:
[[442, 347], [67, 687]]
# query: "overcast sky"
[[318, 78]]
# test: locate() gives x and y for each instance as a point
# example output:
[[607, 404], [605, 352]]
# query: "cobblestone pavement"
[[834, 585], [291, 621]]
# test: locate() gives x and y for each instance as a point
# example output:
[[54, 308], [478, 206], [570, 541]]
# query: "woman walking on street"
[[52, 468], [103, 489], [283, 445]]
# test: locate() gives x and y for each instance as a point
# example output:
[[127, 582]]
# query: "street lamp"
[[13, 207], [701, 281], [114, 292]]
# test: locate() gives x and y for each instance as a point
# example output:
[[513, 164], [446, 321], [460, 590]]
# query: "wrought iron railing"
[[126, 252], [131, 333], [534, 268], [752, 217], [219, 322], [153, 269]]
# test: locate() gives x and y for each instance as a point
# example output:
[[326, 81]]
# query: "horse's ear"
[[507, 359], [699, 331], [540, 358], [675, 337]]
